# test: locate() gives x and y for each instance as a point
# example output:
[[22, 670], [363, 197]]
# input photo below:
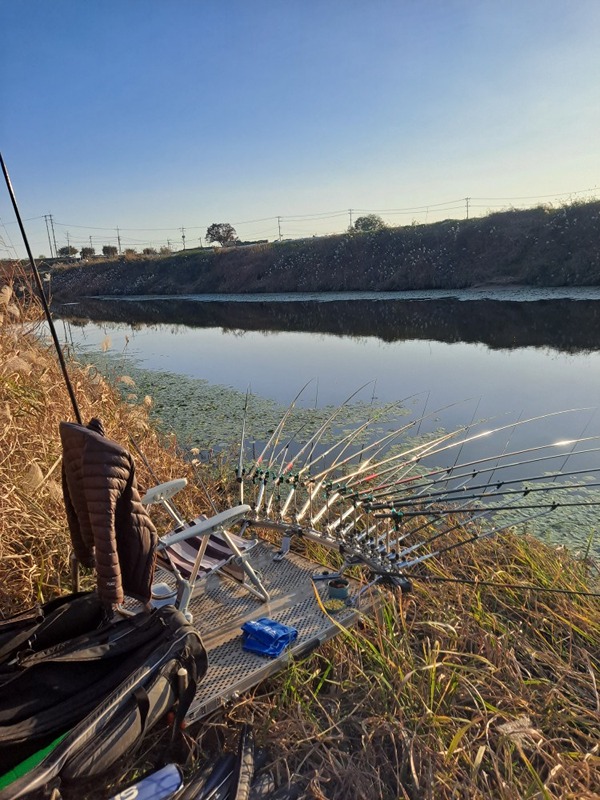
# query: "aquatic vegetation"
[[209, 417]]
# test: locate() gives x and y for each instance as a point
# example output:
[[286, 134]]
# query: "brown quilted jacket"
[[110, 528]]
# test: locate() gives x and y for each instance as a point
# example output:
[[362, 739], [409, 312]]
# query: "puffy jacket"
[[110, 528]]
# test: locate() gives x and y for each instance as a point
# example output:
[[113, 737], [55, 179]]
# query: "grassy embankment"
[[543, 246], [454, 691]]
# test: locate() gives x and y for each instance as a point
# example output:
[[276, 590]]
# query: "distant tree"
[[369, 223], [41, 257], [149, 251], [221, 232], [109, 250], [87, 252], [67, 251], [165, 251], [130, 252]]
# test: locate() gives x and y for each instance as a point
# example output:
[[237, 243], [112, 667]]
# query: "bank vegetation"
[[544, 246]]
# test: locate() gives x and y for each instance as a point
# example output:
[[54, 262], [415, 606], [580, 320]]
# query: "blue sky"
[[153, 115]]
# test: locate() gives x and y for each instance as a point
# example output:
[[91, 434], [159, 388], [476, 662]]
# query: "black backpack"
[[45, 625], [87, 696]]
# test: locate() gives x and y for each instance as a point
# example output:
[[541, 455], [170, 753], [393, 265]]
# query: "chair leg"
[[257, 588]]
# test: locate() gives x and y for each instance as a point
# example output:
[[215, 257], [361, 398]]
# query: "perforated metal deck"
[[221, 605]]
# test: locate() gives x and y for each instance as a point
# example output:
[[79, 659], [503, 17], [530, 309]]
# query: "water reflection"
[[565, 325]]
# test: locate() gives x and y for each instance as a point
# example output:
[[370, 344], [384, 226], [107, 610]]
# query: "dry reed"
[[34, 541]]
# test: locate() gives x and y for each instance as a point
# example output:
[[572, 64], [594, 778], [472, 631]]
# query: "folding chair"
[[110, 526], [202, 546]]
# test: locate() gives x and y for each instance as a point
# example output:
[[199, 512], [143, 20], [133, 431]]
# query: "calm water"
[[520, 353]]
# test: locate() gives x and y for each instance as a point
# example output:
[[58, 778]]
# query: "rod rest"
[[164, 491]]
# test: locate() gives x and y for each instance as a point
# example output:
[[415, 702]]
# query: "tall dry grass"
[[457, 690], [34, 541]]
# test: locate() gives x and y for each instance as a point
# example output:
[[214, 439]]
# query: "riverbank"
[[535, 247], [471, 688]]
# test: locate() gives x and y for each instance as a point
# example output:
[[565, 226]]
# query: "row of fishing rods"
[[370, 504], [389, 479], [382, 488]]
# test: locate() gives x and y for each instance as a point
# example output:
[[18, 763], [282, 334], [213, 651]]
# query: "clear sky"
[[162, 114]]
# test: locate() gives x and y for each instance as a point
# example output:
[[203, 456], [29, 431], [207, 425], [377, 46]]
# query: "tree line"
[[222, 233]]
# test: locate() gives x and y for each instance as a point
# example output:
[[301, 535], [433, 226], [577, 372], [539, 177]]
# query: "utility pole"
[[119, 239], [169, 243], [68, 244], [91, 245], [350, 212], [183, 236], [48, 232], [53, 236], [279, 227], [200, 240], [467, 203]]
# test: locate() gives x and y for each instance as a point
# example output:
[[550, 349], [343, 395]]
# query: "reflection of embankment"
[[567, 325]]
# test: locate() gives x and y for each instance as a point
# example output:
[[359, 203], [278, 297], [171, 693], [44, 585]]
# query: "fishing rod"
[[585, 427], [390, 566], [398, 516], [446, 471], [474, 473], [42, 294], [408, 499], [388, 437], [279, 479], [465, 478], [379, 445], [401, 555], [386, 440], [312, 443], [240, 469], [476, 437], [314, 439], [339, 491], [314, 484], [345, 443], [276, 433], [332, 497], [493, 584], [294, 480], [264, 474], [475, 538], [394, 514], [457, 459]]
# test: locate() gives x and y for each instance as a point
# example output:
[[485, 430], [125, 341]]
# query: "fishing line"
[[40, 287], [525, 587]]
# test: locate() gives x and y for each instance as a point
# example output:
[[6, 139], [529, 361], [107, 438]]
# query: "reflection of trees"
[[567, 325]]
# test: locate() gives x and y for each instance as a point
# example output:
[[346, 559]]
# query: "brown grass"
[[453, 691], [34, 541]]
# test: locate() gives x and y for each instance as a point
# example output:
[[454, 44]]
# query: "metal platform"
[[221, 605]]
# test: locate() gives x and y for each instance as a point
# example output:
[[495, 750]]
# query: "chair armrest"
[[206, 526], [163, 491]]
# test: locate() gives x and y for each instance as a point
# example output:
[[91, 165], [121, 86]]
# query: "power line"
[[306, 224], [540, 196], [316, 216]]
